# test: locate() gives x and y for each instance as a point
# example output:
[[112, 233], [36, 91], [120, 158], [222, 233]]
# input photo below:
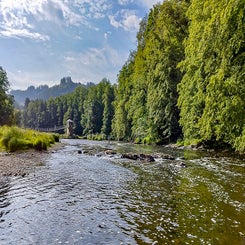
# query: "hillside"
[[44, 92]]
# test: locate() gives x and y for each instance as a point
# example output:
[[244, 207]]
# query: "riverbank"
[[20, 163]]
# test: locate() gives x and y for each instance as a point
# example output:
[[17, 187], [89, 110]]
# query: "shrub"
[[56, 137], [38, 145], [149, 140], [14, 138], [14, 144], [10, 136], [137, 140]]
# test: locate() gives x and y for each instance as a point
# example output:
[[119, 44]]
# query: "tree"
[[93, 111], [164, 50], [6, 101], [122, 123], [108, 111], [212, 92], [152, 76]]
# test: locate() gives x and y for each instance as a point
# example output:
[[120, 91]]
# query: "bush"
[[98, 137], [14, 138], [239, 143], [137, 140], [10, 138], [56, 137], [14, 144], [38, 145], [149, 140]]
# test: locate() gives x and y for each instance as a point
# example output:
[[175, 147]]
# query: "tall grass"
[[14, 138]]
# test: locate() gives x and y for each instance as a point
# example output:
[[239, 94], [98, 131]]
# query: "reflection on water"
[[87, 199]]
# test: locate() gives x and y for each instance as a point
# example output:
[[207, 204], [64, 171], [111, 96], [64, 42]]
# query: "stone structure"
[[69, 128]]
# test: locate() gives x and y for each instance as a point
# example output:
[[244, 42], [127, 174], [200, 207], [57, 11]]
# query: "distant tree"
[[108, 110], [92, 118]]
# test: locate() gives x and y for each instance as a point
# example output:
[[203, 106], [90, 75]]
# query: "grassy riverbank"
[[14, 139]]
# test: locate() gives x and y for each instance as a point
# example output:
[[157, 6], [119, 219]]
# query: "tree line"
[[185, 80], [90, 108]]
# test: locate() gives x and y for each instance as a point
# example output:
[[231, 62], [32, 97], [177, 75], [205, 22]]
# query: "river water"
[[198, 198]]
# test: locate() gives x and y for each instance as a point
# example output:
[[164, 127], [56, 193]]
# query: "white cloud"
[[94, 64], [16, 15], [149, 3], [60, 13], [131, 23], [14, 21], [113, 21], [66, 28], [106, 34], [126, 19], [95, 9], [124, 2], [24, 79], [8, 32]]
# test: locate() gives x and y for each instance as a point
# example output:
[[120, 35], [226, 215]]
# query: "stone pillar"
[[69, 128]]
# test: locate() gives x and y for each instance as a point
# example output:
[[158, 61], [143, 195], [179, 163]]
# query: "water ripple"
[[81, 199]]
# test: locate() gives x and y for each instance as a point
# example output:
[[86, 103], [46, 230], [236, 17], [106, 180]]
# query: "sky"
[[42, 41]]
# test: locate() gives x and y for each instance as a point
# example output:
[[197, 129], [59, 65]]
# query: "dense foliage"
[[212, 92], [146, 103], [185, 79], [6, 101], [90, 108]]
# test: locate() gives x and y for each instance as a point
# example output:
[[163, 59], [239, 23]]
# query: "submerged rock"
[[148, 158], [110, 152], [164, 156], [130, 156], [142, 157]]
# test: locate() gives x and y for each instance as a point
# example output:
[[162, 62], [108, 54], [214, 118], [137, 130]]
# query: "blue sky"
[[42, 41]]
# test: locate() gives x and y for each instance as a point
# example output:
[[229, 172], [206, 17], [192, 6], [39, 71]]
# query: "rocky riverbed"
[[22, 162]]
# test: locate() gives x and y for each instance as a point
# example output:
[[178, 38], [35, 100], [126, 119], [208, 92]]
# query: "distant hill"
[[44, 92]]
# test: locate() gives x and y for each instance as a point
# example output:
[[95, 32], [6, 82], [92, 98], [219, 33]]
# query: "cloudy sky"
[[42, 41]]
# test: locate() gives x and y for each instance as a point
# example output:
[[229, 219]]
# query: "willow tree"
[[212, 92]]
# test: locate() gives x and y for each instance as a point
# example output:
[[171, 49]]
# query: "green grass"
[[14, 139]]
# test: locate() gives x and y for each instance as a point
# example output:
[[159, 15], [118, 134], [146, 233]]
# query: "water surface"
[[94, 198]]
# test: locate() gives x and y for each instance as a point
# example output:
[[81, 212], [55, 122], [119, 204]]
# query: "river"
[[198, 198]]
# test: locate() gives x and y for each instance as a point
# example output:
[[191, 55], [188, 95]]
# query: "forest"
[[185, 81]]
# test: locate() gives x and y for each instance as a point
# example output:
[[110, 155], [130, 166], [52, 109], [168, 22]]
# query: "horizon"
[[49, 85]]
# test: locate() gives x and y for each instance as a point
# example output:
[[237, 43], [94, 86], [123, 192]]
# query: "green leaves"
[[212, 90], [150, 107], [6, 101]]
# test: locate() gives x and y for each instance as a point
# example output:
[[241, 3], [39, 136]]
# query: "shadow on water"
[[94, 198]]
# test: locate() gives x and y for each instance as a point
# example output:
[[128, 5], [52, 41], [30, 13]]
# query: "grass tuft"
[[14, 138]]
